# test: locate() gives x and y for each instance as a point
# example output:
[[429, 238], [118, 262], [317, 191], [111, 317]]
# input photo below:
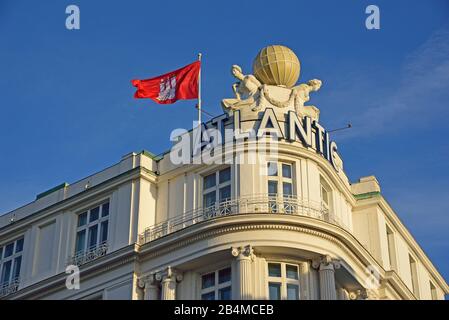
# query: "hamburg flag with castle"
[[181, 84]]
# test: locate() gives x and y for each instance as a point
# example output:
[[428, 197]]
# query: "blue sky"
[[67, 109]]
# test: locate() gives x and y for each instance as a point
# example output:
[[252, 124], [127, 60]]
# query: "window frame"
[[89, 224], [217, 286], [283, 280], [324, 185], [280, 179], [391, 247], [217, 187], [433, 291], [414, 276], [12, 258]]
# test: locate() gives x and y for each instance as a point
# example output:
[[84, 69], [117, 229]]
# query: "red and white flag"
[[181, 84]]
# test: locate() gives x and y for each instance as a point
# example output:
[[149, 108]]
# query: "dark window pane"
[[94, 214], [292, 272], [286, 170], [272, 169], [93, 232], [274, 269], [272, 188], [1, 253], [225, 294], [224, 275], [80, 241], [287, 189], [6, 272], [208, 296], [209, 181], [105, 209], [225, 193], [209, 199], [104, 232], [9, 250], [82, 219], [274, 291], [292, 292], [208, 280], [19, 245], [16, 269], [225, 175]]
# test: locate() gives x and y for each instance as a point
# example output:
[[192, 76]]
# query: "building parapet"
[[366, 185]]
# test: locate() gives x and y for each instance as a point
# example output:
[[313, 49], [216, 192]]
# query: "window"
[[283, 281], [280, 186], [325, 193], [326, 198], [414, 276], [92, 229], [10, 262], [216, 189], [433, 291], [391, 248], [216, 285]]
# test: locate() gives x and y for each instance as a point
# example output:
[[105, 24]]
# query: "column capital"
[[243, 253], [325, 262], [169, 274], [364, 294], [147, 280]]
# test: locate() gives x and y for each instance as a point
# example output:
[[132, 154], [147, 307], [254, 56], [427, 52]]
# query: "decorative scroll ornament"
[[326, 261], [246, 252], [169, 274], [147, 280]]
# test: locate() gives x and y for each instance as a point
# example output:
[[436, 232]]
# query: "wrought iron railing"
[[9, 288], [263, 204], [89, 255]]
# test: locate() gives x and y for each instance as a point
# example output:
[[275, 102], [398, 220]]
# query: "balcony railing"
[[89, 255], [262, 204], [9, 288]]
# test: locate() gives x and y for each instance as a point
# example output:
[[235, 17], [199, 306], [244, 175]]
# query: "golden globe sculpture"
[[277, 65]]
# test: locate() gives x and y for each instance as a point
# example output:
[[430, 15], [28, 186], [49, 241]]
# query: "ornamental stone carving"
[[364, 294], [269, 87], [241, 253], [325, 262], [246, 90], [169, 279], [150, 286]]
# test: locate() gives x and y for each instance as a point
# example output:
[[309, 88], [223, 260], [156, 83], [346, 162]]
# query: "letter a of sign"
[[73, 20], [373, 20]]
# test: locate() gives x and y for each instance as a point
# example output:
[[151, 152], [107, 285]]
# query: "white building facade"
[[259, 225]]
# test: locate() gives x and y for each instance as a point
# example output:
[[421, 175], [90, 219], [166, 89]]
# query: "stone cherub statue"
[[246, 90]]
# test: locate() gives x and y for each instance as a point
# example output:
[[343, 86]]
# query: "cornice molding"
[[232, 224]]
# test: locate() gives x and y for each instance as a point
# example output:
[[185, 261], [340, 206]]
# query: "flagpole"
[[199, 92]]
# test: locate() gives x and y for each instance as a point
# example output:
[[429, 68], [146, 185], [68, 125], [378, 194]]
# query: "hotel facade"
[[248, 224]]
